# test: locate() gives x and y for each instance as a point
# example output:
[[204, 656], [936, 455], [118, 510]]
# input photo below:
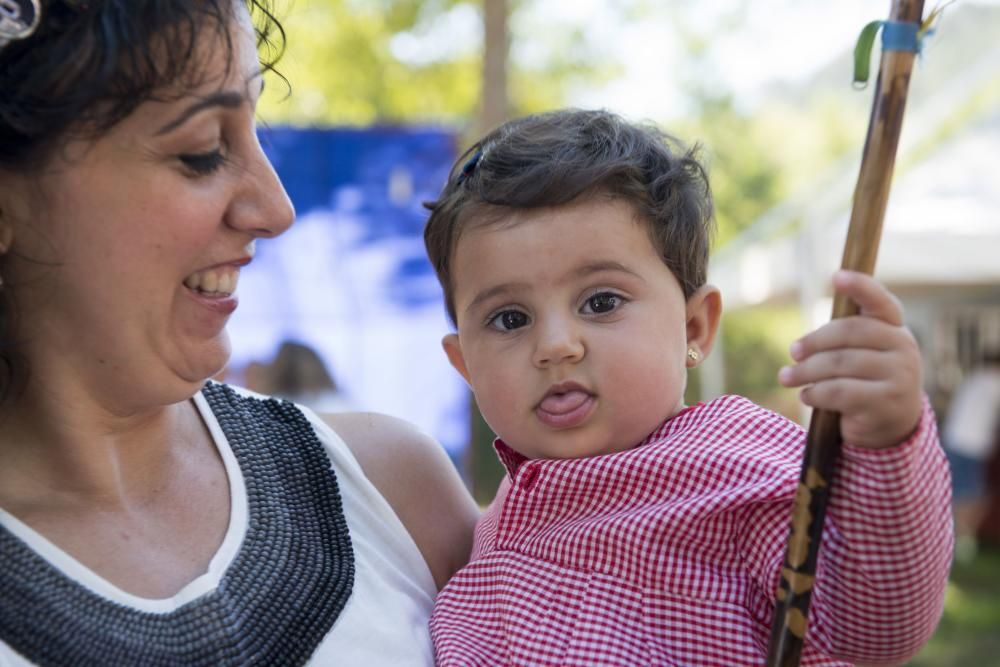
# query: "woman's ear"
[[453, 348], [704, 310]]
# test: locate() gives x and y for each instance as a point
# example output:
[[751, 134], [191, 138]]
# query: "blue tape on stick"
[[900, 36]]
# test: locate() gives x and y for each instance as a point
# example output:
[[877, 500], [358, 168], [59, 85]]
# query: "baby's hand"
[[865, 367]]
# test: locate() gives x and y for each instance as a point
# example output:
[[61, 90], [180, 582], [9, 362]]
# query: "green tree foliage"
[[364, 62], [755, 345], [744, 171], [350, 63], [968, 634], [757, 158]]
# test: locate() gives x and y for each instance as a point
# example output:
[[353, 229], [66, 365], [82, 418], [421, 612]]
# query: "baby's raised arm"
[[887, 539], [866, 367]]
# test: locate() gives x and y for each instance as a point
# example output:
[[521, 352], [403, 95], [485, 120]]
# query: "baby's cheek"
[[654, 395], [499, 406]]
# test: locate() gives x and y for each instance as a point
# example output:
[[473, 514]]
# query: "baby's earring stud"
[[693, 354]]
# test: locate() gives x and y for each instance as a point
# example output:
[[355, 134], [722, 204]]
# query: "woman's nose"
[[262, 207]]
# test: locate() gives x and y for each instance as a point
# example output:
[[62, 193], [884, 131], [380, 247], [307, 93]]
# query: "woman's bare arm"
[[413, 472]]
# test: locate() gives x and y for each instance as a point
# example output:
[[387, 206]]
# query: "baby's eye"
[[508, 320], [605, 302]]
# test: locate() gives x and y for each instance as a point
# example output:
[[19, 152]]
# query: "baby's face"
[[572, 332]]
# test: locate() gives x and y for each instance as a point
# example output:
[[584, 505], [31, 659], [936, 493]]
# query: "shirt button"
[[529, 477]]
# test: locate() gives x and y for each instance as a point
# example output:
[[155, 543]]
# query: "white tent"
[[942, 228], [940, 246]]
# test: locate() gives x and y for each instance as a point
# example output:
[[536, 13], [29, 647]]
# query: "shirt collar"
[[512, 460]]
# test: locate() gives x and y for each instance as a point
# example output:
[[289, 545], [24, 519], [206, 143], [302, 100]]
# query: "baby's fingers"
[[848, 396], [871, 296], [837, 363], [853, 332], [873, 413]]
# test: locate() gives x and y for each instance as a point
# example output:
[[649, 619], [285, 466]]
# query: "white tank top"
[[385, 620]]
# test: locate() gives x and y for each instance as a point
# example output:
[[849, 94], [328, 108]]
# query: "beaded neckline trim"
[[275, 603]]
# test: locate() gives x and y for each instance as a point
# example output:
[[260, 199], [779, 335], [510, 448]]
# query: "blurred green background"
[[969, 633]]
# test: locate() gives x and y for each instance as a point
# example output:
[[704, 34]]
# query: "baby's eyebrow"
[[496, 290], [605, 265]]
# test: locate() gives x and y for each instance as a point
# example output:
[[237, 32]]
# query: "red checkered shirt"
[[670, 553]]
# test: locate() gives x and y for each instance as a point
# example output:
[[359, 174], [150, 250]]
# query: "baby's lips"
[[558, 404]]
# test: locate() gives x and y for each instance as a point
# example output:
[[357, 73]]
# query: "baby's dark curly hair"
[[555, 158]]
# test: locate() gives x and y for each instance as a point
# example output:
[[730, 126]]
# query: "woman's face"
[[126, 250]]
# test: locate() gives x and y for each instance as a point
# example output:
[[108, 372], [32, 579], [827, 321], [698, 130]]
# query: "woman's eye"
[[508, 320], [202, 164], [605, 302]]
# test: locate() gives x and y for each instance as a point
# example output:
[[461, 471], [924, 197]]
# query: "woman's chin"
[[208, 360]]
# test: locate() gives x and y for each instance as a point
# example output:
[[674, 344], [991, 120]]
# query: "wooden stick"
[[823, 442]]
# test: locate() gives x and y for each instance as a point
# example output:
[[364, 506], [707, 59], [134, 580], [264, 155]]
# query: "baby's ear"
[[453, 348], [704, 310]]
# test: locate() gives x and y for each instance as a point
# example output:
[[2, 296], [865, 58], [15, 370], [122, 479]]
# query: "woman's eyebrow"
[[228, 99]]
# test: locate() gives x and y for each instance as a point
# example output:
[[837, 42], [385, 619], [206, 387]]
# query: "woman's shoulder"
[[371, 435], [414, 474], [392, 452]]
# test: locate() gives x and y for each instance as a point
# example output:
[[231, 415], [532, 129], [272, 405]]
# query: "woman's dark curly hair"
[[89, 64]]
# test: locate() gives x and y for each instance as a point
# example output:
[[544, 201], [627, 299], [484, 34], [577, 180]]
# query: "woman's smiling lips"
[[565, 405], [214, 287]]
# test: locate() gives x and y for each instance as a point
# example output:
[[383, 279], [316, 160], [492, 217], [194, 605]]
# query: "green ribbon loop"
[[863, 52]]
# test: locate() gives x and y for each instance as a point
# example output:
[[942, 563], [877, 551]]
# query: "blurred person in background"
[[299, 374], [971, 437]]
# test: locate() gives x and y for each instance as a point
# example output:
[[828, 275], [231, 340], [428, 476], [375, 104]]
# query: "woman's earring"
[[693, 354]]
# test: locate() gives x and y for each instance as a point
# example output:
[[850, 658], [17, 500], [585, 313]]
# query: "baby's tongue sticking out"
[[558, 404]]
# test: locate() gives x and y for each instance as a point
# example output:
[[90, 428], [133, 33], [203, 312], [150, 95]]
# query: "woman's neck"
[[57, 446]]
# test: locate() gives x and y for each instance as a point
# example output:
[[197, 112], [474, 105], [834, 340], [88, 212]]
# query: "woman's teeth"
[[216, 282]]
